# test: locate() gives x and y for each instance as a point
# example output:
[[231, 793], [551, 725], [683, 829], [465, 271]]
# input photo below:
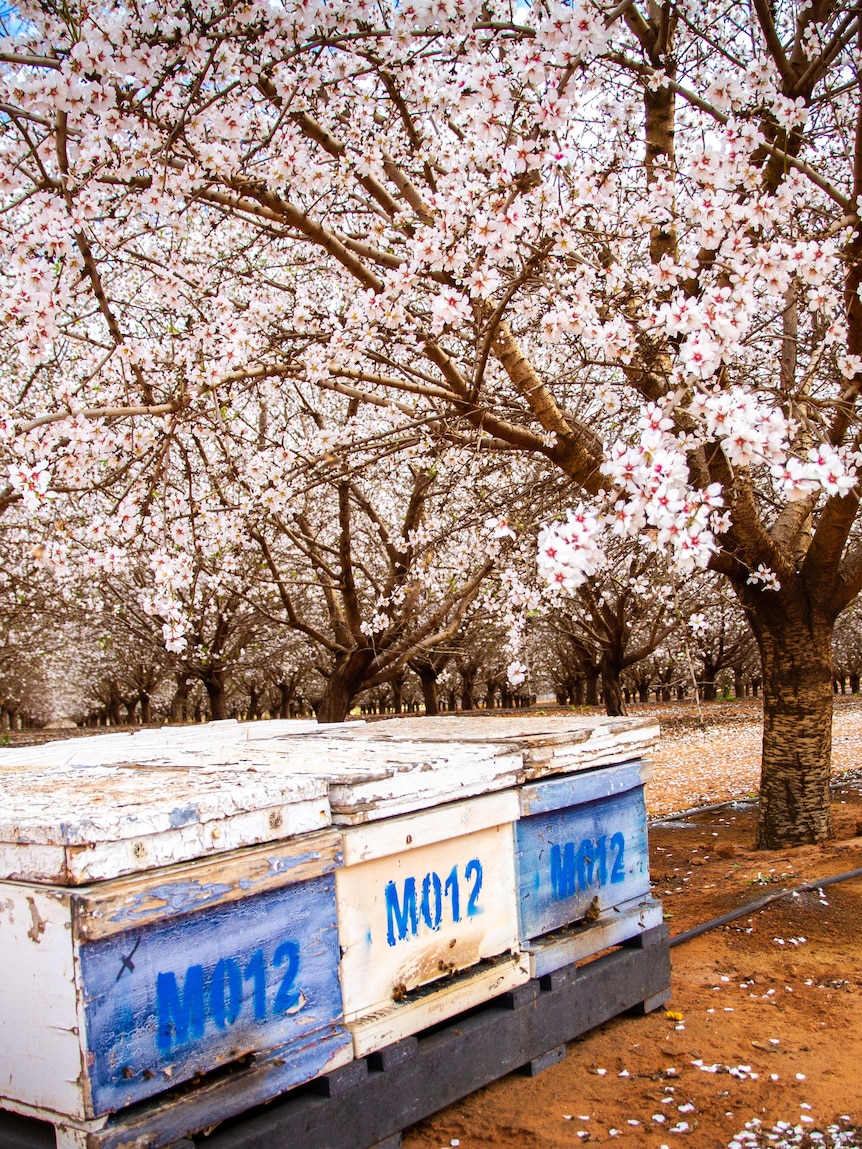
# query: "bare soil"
[[761, 1043]]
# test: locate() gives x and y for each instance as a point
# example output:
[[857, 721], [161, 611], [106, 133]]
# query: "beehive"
[[140, 946], [415, 856], [582, 862], [281, 897]]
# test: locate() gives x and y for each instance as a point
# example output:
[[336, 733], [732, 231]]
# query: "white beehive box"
[[421, 898], [429, 810], [155, 924], [92, 821]]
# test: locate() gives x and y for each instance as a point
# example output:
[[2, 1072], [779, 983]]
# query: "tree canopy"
[[258, 245]]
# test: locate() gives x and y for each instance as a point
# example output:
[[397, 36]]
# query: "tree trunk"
[[146, 708], [178, 702], [428, 681], [285, 695], [795, 644], [612, 691], [343, 685], [398, 694], [707, 689], [253, 711], [214, 685], [468, 689], [591, 693]]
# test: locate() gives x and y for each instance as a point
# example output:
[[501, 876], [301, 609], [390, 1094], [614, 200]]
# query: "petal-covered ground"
[[695, 766]]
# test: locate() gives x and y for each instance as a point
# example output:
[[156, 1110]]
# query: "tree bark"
[[591, 692], [468, 689], [146, 704], [428, 681], [612, 691], [343, 685], [795, 642], [398, 694], [285, 697], [178, 702], [214, 685], [253, 711]]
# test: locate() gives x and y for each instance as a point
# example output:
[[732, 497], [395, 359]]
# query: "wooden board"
[[78, 824], [578, 789], [41, 1058], [125, 989], [424, 896], [580, 860], [370, 780], [438, 1002], [575, 943], [545, 745]]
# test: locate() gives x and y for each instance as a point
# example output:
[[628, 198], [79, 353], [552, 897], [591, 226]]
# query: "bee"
[[593, 910]]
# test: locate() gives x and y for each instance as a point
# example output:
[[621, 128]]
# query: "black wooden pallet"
[[369, 1102]]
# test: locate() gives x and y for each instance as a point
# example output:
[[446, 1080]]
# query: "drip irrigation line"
[[734, 803], [692, 810], [752, 907]]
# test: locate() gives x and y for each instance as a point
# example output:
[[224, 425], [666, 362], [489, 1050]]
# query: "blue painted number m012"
[[435, 900], [585, 866], [224, 993]]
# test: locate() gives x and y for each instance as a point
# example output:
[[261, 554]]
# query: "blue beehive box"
[[582, 864], [166, 913]]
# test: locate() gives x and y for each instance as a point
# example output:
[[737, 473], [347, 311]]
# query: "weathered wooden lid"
[[72, 824], [545, 744], [94, 808]]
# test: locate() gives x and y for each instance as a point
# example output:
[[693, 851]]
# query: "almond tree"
[[616, 620], [490, 228], [374, 586]]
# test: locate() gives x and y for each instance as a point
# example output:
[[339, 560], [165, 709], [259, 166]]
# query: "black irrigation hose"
[[734, 803], [806, 887], [692, 810]]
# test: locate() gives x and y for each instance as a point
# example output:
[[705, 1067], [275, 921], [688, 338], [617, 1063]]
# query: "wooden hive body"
[[282, 897], [160, 918]]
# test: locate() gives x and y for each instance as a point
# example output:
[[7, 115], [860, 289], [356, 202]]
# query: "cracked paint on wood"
[[576, 858], [121, 990], [181, 996]]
